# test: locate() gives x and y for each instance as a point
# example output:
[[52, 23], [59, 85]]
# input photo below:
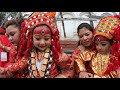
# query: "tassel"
[[22, 24], [55, 54], [29, 44], [58, 46]]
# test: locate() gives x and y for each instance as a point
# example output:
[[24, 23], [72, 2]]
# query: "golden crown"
[[106, 26]]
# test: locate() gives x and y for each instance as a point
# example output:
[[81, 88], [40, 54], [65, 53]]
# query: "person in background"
[[12, 28], [4, 49], [83, 54]]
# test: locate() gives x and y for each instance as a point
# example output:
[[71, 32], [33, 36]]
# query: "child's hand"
[[118, 72], [85, 75], [1, 70]]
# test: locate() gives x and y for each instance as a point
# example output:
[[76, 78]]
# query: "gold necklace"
[[34, 71], [100, 63]]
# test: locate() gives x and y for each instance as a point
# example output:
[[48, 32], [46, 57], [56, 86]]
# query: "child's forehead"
[[101, 41], [42, 31], [100, 38]]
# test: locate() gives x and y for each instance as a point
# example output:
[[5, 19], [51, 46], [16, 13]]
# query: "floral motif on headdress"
[[107, 26]]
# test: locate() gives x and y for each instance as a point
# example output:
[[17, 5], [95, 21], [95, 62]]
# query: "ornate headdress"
[[30, 24], [52, 14], [109, 27]]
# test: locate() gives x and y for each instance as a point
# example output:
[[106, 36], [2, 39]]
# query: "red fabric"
[[5, 42], [100, 38], [2, 31], [41, 31]]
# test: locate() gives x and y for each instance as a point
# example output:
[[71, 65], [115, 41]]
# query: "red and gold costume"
[[55, 63], [99, 65], [82, 59], [108, 27], [11, 53], [102, 66]]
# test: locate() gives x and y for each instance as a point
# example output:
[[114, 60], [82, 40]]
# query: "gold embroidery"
[[82, 57], [100, 64]]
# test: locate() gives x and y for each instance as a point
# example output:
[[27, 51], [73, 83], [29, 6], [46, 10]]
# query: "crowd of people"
[[30, 48]]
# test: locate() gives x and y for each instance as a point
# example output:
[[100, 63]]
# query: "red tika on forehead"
[[42, 31], [100, 38]]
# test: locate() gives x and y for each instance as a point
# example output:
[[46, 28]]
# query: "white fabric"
[[3, 56], [39, 64]]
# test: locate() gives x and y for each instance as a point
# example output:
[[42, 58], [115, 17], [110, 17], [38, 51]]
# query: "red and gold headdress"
[[32, 22], [107, 27], [52, 14]]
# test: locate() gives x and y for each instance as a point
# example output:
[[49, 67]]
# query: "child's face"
[[42, 37], [103, 47]]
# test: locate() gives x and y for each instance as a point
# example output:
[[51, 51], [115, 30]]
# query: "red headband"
[[100, 38], [42, 31]]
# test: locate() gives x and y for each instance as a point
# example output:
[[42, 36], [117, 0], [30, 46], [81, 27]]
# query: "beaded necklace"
[[45, 68]]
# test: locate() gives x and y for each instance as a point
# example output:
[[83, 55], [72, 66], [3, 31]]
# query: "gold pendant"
[[33, 67], [35, 73], [43, 67], [46, 55], [45, 61], [42, 73], [32, 60], [47, 50], [32, 54]]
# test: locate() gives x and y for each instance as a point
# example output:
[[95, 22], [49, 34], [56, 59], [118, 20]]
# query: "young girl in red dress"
[[39, 52]]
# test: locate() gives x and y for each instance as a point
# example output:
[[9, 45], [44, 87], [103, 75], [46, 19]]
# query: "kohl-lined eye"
[[87, 34], [38, 38], [46, 39], [103, 44]]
